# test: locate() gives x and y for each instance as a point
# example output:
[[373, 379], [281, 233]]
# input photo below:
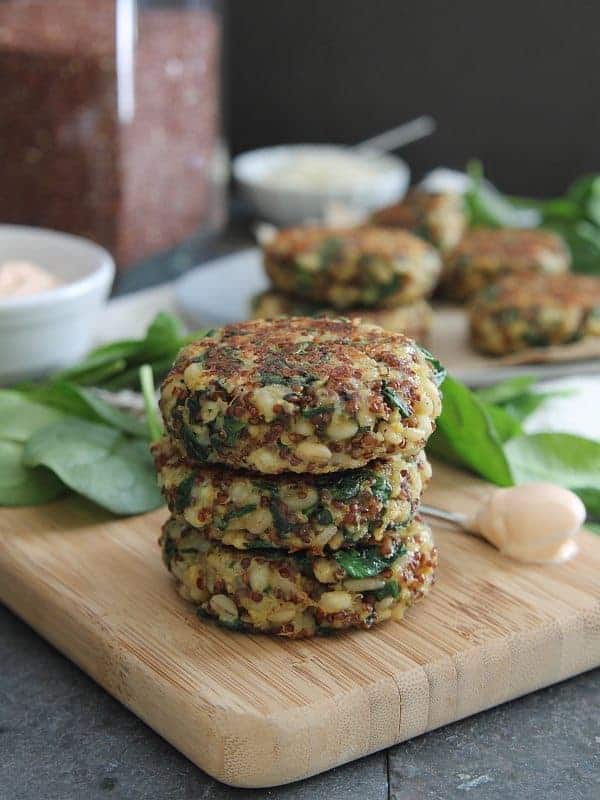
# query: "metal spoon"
[[399, 136]]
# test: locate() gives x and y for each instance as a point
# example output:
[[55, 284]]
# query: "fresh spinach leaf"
[[562, 458], [20, 417], [99, 463], [506, 391], [21, 485], [467, 435], [80, 401]]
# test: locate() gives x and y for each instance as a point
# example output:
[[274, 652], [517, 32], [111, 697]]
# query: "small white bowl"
[[291, 205], [50, 330]]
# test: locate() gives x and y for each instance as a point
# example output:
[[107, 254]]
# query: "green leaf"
[[393, 400], [163, 337], [314, 412], [487, 207], [20, 417], [183, 494], [99, 463], [155, 430], [562, 458], [232, 427], [467, 435], [391, 589], [235, 513], [365, 562], [21, 485], [80, 401], [505, 391], [439, 371], [381, 488], [505, 424], [329, 251], [348, 485]]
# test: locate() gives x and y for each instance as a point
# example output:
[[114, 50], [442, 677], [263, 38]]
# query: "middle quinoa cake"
[[268, 591], [301, 395], [352, 267], [295, 512]]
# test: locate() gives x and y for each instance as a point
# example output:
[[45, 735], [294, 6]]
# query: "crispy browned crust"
[[533, 310], [296, 596], [300, 395], [352, 267], [484, 255], [437, 217]]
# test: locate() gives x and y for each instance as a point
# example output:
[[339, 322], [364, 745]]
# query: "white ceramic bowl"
[[43, 332], [291, 205]]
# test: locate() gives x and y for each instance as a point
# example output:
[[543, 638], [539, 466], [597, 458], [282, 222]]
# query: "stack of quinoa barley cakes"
[[293, 468], [381, 276]]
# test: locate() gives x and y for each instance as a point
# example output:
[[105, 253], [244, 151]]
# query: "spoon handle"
[[461, 520], [401, 135]]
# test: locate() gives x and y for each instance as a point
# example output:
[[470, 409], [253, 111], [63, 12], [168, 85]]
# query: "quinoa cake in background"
[[413, 320], [300, 395], [534, 310], [485, 255], [345, 268], [438, 217], [296, 595]]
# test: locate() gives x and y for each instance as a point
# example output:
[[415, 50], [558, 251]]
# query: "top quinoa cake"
[[522, 311], [484, 255], [352, 267], [437, 217], [301, 395]]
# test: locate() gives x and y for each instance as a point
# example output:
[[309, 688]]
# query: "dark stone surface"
[[545, 745], [64, 738]]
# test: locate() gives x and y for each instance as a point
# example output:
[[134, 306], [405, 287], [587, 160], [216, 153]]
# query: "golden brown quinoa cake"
[[484, 255], [297, 595], [301, 395], [296, 512], [352, 267], [438, 217], [522, 311], [413, 320]]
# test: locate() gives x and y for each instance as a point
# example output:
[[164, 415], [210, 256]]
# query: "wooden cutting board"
[[257, 711]]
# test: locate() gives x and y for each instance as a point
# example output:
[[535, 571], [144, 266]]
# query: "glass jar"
[[110, 120]]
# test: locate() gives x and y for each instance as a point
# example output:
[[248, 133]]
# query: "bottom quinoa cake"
[[296, 596], [413, 319], [534, 310]]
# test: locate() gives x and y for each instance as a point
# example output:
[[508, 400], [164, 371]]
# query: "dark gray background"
[[515, 83]]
